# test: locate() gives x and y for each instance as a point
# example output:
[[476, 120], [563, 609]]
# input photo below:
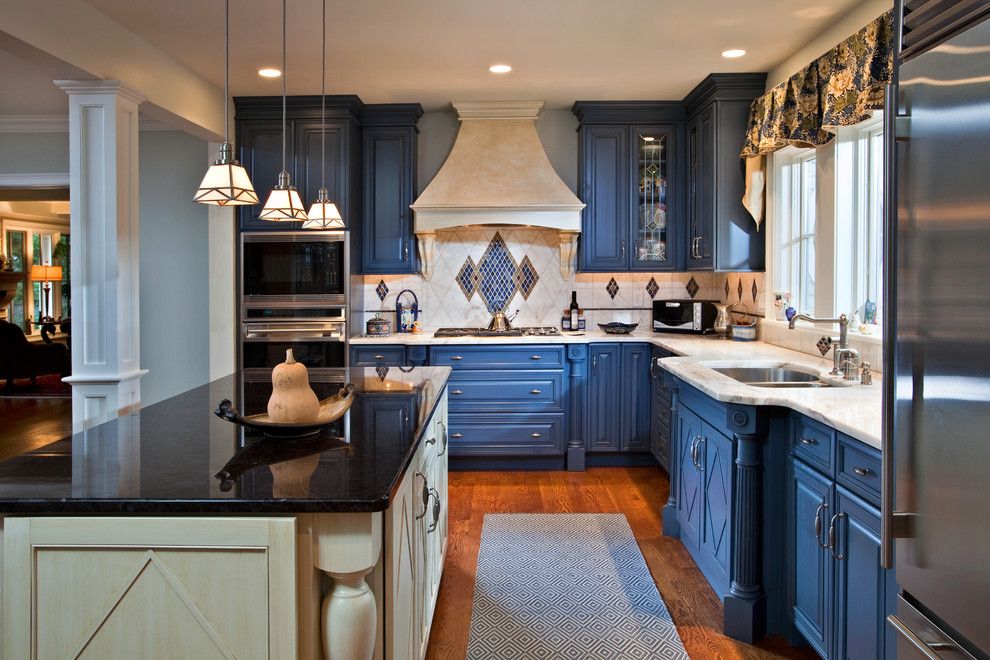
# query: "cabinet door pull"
[[535, 392], [535, 357], [701, 441], [431, 441], [831, 535], [622, 247], [444, 436], [818, 524], [456, 392], [808, 441], [862, 471], [379, 357], [535, 435], [457, 435], [405, 250], [436, 511], [425, 495], [456, 357]]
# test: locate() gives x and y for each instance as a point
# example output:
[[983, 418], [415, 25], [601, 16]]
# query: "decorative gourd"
[[293, 401]]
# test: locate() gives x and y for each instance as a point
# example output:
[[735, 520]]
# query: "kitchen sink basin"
[[773, 376]]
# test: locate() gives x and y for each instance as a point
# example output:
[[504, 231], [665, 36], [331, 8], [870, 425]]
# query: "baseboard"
[[506, 463]]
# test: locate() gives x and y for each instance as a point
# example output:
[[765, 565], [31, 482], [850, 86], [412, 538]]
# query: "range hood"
[[497, 173]]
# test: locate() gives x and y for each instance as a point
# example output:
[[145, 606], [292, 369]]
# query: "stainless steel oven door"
[[316, 344], [309, 268]]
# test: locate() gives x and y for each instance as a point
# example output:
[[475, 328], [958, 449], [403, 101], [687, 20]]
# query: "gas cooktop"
[[532, 331]]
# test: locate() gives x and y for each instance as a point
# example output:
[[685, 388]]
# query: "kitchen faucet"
[[845, 360]]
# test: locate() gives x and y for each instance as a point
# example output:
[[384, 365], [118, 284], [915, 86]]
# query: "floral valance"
[[840, 88]]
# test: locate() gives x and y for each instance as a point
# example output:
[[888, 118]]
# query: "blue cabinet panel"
[[701, 187], [812, 442], [860, 582], [498, 357], [533, 434], [690, 483], [481, 390], [810, 592], [604, 396], [259, 144], [635, 383], [387, 242], [364, 355], [857, 467], [604, 188], [718, 477]]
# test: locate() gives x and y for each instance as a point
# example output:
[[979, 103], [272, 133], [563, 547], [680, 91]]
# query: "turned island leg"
[[350, 618]]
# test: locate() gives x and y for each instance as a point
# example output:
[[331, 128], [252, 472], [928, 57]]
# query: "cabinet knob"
[[536, 435], [808, 441], [456, 357], [535, 357], [535, 392], [379, 357], [862, 471], [456, 392], [457, 435]]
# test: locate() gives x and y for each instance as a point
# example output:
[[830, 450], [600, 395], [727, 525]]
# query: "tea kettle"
[[500, 322], [723, 324]]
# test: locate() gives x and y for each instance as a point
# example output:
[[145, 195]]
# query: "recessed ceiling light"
[[733, 52], [500, 68], [269, 72]]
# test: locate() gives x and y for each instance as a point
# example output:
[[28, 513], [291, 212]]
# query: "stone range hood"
[[497, 173]]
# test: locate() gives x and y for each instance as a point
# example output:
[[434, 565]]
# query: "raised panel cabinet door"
[[309, 163], [718, 476], [260, 149], [604, 190], [604, 396], [403, 582], [635, 422], [702, 153], [387, 238], [389, 418], [809, 559], [690, 496], [860, 582]]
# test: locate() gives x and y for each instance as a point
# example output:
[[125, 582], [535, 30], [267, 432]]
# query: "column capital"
[[114, 87]]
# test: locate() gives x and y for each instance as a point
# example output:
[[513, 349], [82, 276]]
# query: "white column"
[[103, 193]]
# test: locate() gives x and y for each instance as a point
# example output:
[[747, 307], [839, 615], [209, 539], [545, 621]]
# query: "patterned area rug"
[[566, 586]]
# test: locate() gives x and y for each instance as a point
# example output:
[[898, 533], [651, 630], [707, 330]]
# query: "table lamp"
[[46, 274]]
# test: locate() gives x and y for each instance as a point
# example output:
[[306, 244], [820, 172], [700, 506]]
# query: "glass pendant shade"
[[323, 214], [226, 183], [284, 203]]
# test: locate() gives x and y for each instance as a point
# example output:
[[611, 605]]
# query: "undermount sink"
[[773, 376]]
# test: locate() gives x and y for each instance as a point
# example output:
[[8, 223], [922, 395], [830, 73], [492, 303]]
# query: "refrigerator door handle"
[[912, 638]]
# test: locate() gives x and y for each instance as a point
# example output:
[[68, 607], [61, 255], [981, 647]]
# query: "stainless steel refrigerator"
[[936, 508]]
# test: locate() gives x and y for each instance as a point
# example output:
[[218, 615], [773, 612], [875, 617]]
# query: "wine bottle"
[[575, 311]]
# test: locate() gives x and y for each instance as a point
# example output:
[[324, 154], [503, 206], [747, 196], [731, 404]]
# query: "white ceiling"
[[27, 76], [435, 51]]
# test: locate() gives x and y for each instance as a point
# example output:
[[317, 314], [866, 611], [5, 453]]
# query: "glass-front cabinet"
[[653, 228]]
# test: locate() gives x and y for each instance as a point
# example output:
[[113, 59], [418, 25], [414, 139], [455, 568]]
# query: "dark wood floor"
[[636, 492], [27, 424]]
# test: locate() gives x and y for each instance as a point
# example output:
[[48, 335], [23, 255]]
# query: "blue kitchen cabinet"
[[701, 190], [716, 454], [389, 136], [635, 388], [604, 188], [389, 416], [690, 478], [860, 582], [259, 145], [811, 496], [604, 396]]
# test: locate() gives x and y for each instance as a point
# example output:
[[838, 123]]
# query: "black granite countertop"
[[177, 457]]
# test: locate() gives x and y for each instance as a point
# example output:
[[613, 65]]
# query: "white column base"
[[98, 399]]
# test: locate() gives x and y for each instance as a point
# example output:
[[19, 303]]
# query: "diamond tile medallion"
[[612, 287], [497, 277], [754, 290], [727, 289], [382, 372], [739, 289], [381, 290], [652, 287], [692, 287], [526, 277]]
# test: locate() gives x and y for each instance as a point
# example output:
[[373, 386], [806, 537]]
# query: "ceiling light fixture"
[[226, 182], [323, 214], [500, 68], [269, 72], [283, 204], [733, 53]]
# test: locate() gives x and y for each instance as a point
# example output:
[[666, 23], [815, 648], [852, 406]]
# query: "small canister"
[[379, 327]]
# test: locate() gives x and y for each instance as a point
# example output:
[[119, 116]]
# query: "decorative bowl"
[[331, 409], [616, 328]]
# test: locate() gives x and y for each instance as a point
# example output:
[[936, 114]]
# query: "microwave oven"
[[687, 316], [307, 268]]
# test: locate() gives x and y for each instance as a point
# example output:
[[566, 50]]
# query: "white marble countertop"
[[853, 409]]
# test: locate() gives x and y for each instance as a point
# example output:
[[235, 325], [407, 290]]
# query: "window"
[[29, 243], [795, 225]]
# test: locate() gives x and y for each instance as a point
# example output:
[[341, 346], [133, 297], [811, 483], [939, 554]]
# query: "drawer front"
[[374, 356], [507, 391], [812, 442], [506, 435], [663, 412], [498, 357], [660, 446], [858, 468]]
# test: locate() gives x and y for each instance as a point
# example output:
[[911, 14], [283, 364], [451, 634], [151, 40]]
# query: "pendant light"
[[323, 214], [226, 182], [284, 204]]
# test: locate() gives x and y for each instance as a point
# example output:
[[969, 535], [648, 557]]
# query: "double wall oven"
[[294, 294]]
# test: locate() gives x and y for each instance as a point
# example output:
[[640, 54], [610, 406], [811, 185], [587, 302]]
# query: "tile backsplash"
[[480, 269]]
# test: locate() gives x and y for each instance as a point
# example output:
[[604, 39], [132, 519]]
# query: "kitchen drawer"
[[660, 446], [812, 442], [498, 357], [507, 391], [374, 356], [663, 412], [507, 435], [858, 468]]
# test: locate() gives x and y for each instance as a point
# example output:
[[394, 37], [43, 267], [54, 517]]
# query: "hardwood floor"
[[638, 493], [27, 424]]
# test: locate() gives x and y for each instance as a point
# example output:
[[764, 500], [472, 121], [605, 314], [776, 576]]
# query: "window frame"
[[30, 229], [790, 205]]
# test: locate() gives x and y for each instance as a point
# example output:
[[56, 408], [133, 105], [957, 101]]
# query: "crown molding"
[[497, 109], [34, 124], [40, 180]]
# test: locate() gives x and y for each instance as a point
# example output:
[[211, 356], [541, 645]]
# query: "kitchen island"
[[172, 528]]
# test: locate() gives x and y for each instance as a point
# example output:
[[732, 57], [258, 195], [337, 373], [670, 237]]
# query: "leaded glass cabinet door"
[[653, 223]]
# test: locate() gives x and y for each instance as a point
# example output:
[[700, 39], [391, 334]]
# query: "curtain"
[[840, 88]]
